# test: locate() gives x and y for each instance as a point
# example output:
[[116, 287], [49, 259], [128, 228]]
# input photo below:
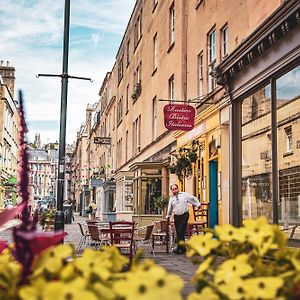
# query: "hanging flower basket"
[[172, 169], [193, 156]]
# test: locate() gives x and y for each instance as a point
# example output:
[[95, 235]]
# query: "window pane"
[[256, 155], [288, 135], [151, 188]]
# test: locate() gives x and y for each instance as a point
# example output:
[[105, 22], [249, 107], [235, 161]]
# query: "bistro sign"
[[179, 117]]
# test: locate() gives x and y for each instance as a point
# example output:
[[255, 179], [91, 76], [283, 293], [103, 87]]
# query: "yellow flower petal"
[[232, 269], [201, 244], [207, 293], [263, 287]]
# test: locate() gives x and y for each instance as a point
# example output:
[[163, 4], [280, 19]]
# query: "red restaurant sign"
[[179, 117]]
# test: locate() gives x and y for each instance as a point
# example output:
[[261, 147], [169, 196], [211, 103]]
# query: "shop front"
[[208, 176], [150, 181], [262, 78]]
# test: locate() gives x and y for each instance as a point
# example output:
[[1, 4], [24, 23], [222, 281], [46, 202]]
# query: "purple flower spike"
[[29, 242]]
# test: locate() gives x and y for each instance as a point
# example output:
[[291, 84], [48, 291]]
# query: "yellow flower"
[[149, 284], [233, 289], [115, 257], [296, 263], [204, 266], [232, 269], [74, 290], [201, 244], [259, 230], [207, 293], [68, 272], [34, 291], [263, 246], [52, 259], [94, 262], [10, 275], [263, 287], [104, 292], [225, 233]]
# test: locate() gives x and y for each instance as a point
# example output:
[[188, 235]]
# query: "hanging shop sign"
[[179, 117], [102, 140]]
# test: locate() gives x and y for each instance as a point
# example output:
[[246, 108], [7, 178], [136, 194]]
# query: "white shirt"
[[179, 203]]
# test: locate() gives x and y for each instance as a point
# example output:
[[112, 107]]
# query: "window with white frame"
[[120, 154], [211, 59], [172, 24], [137, 74], [200, 75], [127, 99], [119, 110], [128, 52], [155, 52], [224, 41], [171, 88], [138, 29], [120, 69], [154, 118], [126, 146], [136, 137], [289, 138]]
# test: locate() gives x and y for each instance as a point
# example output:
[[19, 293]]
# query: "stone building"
[[9, 123], [224, 62]]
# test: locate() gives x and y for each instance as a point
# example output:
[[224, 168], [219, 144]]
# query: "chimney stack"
[[8, 75]]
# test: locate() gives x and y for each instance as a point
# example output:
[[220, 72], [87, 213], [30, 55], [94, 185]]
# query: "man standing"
[[178, 204]]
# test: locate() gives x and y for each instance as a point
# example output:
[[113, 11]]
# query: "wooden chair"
[[200, 219], [83, 238], [162, 234], [122, 236], [146, 239], [95, 236]]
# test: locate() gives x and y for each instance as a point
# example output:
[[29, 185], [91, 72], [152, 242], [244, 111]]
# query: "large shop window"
[[288, 155], [151, 188], [257, 167], [256, 155]]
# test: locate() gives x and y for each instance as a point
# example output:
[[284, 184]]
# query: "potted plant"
[[137, 91], [47, 219], [161, 203]]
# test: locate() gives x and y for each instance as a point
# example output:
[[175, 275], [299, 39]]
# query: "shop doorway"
[[213, 193]]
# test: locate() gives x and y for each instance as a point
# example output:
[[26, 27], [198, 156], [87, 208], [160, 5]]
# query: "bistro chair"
[[122, 237], [163, 235], [95, 236], [200, 219], [85, 236], [146, 239]]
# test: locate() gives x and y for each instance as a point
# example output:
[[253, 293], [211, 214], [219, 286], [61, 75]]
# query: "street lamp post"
[[59, 216]]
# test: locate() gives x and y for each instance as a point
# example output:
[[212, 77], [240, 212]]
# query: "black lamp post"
[[59, 217]]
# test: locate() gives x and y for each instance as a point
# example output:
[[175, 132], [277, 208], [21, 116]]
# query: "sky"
[[31, 34]]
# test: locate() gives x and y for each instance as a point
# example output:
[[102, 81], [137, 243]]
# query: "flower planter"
[[49, 224]]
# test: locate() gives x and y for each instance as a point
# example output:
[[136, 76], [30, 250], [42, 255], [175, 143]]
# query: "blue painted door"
[[213, 193]]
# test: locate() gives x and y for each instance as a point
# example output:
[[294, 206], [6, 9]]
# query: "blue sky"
[[31, 39]]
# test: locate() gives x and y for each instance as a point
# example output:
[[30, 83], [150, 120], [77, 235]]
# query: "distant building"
[[43, 168], [37, 140]]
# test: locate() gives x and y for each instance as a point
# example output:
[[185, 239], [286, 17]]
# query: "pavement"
[[173, 263]]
